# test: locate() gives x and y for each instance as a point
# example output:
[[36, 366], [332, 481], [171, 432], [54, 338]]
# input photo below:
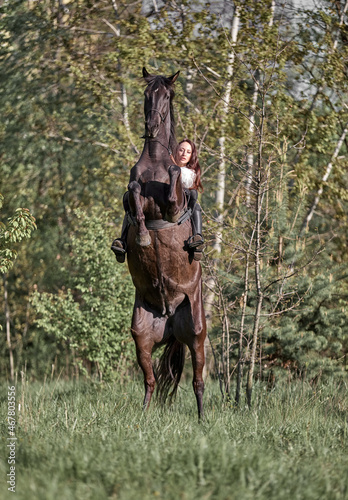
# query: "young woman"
[[186, 158]]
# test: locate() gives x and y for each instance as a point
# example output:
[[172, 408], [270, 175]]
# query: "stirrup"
[[196, 240], [118, 247]]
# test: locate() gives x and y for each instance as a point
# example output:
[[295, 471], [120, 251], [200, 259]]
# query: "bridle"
[[154, 139], [157, 111]]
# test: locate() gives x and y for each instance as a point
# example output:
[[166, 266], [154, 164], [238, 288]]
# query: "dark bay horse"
[[168, 308]]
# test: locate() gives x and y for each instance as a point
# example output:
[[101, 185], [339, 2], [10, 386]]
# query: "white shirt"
[[188, 177]]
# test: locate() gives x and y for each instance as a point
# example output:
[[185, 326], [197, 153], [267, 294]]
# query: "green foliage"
[[19, 227], [91, 314]]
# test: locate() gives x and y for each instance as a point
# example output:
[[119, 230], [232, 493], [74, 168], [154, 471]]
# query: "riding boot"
[[119, 245], [196, 241]]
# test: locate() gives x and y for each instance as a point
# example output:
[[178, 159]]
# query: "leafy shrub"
[[92, 313]]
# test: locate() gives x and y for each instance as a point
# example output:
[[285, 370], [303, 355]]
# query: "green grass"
[[81, 441]]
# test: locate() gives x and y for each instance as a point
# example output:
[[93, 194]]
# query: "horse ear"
[[174, 77], [145, 72]]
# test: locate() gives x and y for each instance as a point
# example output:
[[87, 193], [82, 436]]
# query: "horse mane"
[[172, 139], [162, 80]]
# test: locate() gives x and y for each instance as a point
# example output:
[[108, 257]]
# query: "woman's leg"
[[196, 241], [196, 218]]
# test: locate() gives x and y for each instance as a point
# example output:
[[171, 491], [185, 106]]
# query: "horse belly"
[[161, 272]]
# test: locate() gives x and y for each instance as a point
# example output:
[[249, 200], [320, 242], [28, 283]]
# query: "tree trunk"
[[241, 356], [8, 330], [220, 192], [126, 117], [250, 156], [249, 179], [260, 191]]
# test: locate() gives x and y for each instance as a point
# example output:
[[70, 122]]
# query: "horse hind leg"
[[198, 359], [143, 237], [192, 331]]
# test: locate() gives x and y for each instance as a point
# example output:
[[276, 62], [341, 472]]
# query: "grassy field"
[[81, 441]]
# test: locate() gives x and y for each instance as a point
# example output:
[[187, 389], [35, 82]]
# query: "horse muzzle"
[[151, 130]]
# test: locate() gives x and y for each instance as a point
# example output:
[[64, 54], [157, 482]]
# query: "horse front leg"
[[176, 194], [196, 346], [145, 363], [144, 346], [143, 237]]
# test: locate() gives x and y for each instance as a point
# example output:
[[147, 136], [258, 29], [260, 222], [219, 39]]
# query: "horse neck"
[[158, 149]]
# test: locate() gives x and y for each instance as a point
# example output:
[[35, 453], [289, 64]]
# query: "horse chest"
[[147, 170], [149, 176]]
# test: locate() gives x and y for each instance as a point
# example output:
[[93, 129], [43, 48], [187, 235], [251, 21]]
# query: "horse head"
[[159, 94]]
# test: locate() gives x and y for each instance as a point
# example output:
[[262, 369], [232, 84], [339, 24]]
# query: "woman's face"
[[184, 154]]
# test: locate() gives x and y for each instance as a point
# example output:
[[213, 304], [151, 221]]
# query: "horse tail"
[[169, 370]]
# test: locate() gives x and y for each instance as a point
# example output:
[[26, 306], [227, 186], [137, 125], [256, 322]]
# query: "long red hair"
[[193, 163]]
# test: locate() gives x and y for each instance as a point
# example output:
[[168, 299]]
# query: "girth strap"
[[156, 225]]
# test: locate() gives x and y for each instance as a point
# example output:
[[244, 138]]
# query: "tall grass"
[[80, 441]]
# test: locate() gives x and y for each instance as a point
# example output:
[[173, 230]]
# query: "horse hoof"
[[143, 240], [173, 218]]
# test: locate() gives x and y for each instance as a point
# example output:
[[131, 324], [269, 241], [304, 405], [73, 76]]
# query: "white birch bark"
[[340, 24], [220, 192], [250, 156], [8, 327], [124, 101]]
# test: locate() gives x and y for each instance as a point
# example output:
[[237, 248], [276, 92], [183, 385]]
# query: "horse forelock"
[[160, 80]]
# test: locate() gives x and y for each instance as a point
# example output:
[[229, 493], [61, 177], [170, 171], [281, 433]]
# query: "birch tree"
[[220, 191]]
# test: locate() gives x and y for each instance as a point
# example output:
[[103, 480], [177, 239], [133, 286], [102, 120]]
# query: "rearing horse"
[[168, 306]]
